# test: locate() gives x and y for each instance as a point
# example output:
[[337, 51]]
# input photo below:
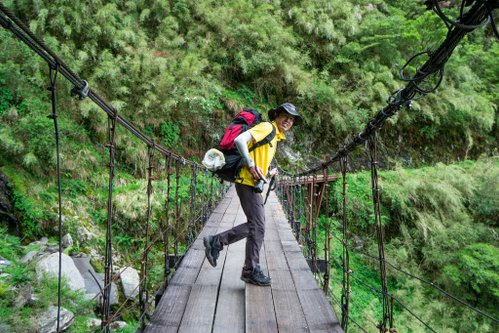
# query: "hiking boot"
[[211, 250], [257, 278]]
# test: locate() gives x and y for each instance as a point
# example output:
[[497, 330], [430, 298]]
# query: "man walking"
[[256, 168]]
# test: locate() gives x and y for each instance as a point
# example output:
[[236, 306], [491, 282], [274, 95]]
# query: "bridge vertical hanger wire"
[[108, 258], [207, 189], [212, 194], [315, 209], [296, 214], [166, 232], [289, 203], [177, 211], [206, 196], [302, 208], [320, 202], [143, 292], [53, 71], [197, 218], [371, 143], [190, 212], [345, 294], [308, 227], [293, 209], [296, 204], [288, 208], [327, 240], [203, 197]]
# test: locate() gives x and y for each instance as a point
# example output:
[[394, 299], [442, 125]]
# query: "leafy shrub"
[[170, 132]]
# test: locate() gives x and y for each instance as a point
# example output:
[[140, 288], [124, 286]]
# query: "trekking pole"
[[272, 187]]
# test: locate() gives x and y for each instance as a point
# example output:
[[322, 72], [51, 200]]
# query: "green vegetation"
[[435, 229], [180, 69]]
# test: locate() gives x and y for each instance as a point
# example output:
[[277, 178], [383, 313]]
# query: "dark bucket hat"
[[287, 107]]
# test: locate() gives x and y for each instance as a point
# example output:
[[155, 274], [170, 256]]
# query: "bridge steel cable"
[[387, 313], [479, 13], [11, 22], [108, 262], [429, 283], [327, 241], [345, 292], [380, 294], [143, 293], [167, 227], [53, 96]]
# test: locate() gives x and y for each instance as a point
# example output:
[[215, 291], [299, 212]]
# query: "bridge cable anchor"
[[81, 92]]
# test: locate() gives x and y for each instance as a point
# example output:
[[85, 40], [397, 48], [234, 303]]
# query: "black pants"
[[253, 230]]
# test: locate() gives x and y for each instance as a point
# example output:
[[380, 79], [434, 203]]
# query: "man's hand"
[[256, 172], [273, 172]]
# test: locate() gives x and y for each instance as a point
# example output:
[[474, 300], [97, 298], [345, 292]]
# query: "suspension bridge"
[[199, 298]]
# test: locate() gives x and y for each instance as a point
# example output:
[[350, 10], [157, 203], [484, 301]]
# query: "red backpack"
[[241, 122]]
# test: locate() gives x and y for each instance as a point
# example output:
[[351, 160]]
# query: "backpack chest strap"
[[268, 139]]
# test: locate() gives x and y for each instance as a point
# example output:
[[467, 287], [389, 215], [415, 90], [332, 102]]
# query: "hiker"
[[248, 188]]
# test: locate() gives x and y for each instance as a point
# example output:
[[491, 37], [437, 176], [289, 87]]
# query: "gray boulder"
[[83, 234], [94, 323], [4, 328], [4, 263], [130, 281], [92, 288], [67, 241], [50, 265], [47, 323], [28, 257], [25, 296]]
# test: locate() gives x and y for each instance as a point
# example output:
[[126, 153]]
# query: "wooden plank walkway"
[[201, 298]]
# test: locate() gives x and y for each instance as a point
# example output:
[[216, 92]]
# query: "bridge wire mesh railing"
[[304, 209], [175, 231]]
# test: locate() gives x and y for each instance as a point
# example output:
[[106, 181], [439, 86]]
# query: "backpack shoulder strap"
[[268, 139]]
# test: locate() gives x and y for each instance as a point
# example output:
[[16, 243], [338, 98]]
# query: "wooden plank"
[[260, 311], [301, 289], [291, 246], [200, 308], [214, 218], [281, 279], [286, 234], [230, 312], [170, 311], [296, 261], [309, 179], [198, 316], [168, 314], [154, 328], [304, 279], [275, 255], [289, 313], [318, 311]]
